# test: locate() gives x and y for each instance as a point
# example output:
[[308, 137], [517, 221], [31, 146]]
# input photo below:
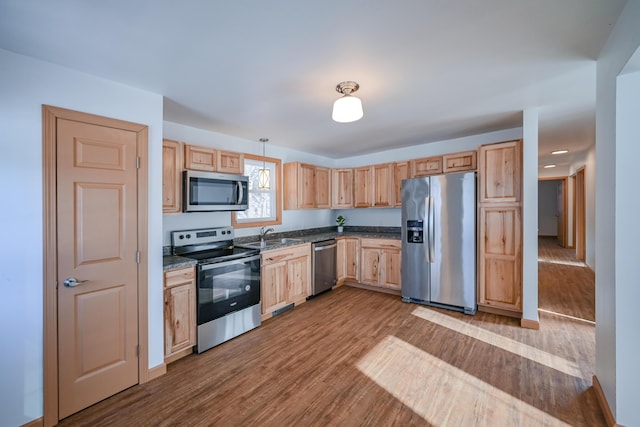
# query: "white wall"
[[26, 84], [616, 150], [291, 219], [530, 215], [627, 267], [548, 208]]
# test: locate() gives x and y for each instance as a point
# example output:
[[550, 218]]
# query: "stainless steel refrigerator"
[[439, 241]]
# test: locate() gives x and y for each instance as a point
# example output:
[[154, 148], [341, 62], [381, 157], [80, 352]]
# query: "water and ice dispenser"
[[415, 231]]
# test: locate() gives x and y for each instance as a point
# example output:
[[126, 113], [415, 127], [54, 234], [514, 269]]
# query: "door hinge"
[[138, 162], [137, 257]]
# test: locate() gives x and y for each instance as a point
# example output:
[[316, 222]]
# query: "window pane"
[[261, 202]]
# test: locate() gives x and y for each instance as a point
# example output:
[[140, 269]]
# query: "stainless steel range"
[[228, 283]]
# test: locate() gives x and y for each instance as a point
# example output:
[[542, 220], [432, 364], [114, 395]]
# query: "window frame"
[[278, 192]]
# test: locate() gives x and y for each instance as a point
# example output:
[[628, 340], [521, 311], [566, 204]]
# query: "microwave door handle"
[[240, 192]]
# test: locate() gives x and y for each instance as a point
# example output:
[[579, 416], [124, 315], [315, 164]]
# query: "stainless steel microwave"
[[210, 191]]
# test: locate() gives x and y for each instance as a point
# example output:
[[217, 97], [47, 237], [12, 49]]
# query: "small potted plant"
[[340, 221]]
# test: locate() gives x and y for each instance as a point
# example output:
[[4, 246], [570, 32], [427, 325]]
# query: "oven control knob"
[[181, 236], [223, 232], [188, 236]]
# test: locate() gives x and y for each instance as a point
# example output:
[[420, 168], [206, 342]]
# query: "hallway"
[[566, 286]]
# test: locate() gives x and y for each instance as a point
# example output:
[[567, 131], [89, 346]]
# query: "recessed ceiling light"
[[549, 166], [559, 151]]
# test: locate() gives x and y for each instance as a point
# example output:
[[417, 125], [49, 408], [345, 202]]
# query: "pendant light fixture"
[[264, 178], [348, 108]]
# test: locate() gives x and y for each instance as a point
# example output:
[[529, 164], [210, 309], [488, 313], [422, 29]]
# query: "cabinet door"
[[383, 186], [273, 288], [457, 162], [179, 317], [341, 188], [171, 176], [370, 266], [390, 275], [352, 254], [298, 279], [363, 193], [323, 187], [306, 186], [347, 256], [402, 170], [500, 257], [500, 169], [230, 162], [426, 166], [199, 158]]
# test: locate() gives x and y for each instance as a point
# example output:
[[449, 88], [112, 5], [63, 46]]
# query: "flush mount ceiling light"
[[348, 108], [264, 178], [559, 151], [549, 166]]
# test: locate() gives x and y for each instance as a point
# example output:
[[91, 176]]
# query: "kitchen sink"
[[269, 242]]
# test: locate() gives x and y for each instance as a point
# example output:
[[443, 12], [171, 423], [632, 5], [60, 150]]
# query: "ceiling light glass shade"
[[264, 179], [560, 151], [347, 109], [549, 166]]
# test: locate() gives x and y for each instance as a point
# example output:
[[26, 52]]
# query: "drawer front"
[[179, 276], [380, 243], [279, 255]]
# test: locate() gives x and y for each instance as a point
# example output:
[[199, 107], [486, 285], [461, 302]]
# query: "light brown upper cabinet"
[[374, 186], [199, 158], [323, 187], [383, 185], [458, 162], [500, 169], [230, 162], [402, 170], [300, 186], [171, 176], [426, 166], [362, 192], [341, 188]]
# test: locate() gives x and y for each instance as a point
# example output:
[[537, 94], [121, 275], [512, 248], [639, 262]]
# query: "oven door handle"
[[205, 267]]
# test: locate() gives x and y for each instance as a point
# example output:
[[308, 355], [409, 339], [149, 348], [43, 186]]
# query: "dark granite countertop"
[[172, 261], [320, 234], [304, 236]]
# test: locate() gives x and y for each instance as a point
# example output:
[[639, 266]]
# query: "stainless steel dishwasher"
[[324, 265]]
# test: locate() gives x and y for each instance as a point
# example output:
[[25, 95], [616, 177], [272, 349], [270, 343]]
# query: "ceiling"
[[429, 70]]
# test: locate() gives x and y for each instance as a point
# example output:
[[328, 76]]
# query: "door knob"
[[70, 282]]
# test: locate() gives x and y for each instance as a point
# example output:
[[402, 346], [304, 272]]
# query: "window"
[[265, 206]]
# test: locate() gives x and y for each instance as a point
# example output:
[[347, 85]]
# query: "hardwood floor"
[[565, 285], [357, 357]]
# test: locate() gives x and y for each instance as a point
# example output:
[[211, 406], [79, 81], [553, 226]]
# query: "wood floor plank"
[[357, 357]]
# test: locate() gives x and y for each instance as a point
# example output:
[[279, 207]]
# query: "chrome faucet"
[[264, 232]]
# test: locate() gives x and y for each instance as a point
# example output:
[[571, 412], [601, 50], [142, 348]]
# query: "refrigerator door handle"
[[430, 231], [427, 234]]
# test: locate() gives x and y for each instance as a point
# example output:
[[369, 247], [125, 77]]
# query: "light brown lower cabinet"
[[500, 246], [380, 262], [285, 277], [347, 255], [179, 313]]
